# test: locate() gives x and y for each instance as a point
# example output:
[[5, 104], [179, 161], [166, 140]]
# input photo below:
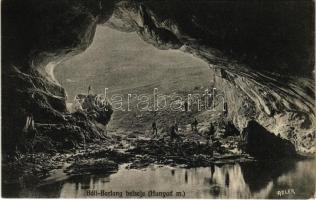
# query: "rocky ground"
[[137, 150], [137, 146]]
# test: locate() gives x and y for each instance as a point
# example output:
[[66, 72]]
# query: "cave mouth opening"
[[123, 64]]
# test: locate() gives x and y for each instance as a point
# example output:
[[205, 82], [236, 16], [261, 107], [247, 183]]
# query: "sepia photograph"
[[158, 99]]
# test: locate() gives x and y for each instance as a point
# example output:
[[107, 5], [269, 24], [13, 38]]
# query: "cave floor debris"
[[138, 151]]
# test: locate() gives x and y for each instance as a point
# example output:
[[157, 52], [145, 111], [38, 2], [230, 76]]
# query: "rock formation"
[[262, 144], [37, 36], [261, 51]]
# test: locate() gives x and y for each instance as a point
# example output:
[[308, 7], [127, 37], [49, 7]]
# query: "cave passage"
[[124, 63]]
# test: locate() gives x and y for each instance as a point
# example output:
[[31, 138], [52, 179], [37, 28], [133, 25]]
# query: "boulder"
[[263, 144], [96, 107]]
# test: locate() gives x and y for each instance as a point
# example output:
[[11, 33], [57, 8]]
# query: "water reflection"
[[247, 180]]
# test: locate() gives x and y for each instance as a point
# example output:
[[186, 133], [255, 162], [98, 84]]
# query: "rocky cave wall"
[[262, 53], [36, 36]]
